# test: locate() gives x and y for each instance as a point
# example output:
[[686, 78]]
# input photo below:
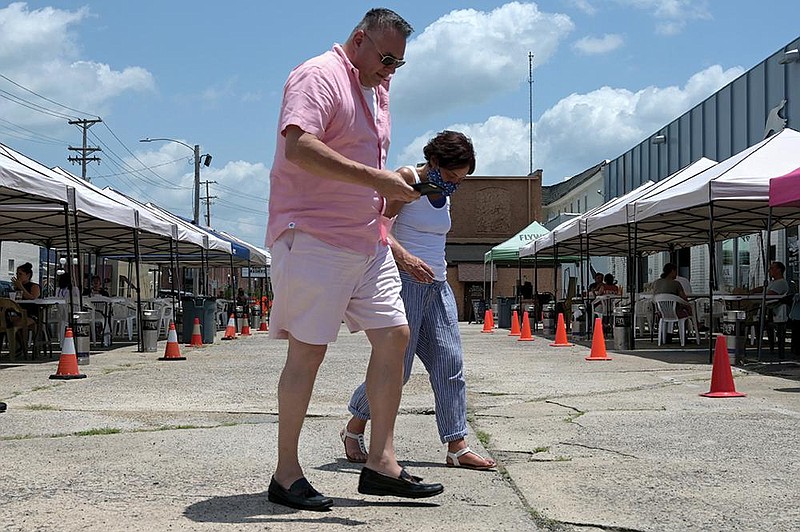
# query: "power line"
[[42, 97]]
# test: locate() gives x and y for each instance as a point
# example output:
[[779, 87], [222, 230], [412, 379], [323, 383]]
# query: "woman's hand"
[[416, 267], [17, 283]]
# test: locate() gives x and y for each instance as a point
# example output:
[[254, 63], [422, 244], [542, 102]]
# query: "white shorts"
[[317, 285]]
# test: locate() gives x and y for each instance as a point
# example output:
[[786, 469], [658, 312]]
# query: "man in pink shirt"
[[330, 259]]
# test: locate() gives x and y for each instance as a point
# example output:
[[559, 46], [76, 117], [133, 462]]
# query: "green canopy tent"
[[508, 251]]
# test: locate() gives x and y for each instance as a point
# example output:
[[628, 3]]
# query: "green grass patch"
[[41, 407], [97, 432], [483, 437], [541, 449]]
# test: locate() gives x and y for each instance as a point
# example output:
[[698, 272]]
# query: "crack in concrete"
[[598, 449]]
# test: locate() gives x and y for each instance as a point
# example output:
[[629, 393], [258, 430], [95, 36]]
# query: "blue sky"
[[607, 73]]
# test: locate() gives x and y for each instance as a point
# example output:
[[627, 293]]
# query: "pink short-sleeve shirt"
[[324, 97]]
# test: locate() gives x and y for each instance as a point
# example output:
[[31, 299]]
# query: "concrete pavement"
[[626, 444]]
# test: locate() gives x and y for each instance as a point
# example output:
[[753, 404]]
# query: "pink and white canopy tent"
[[784, 191]]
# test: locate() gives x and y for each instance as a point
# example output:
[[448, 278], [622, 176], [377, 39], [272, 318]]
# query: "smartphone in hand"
[[426, 187]]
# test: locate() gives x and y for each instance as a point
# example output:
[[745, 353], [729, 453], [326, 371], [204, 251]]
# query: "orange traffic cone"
[[173, 351], [721, 376], [68, 361], [488, 322], [514, 324], [245, 327], [197, 337], [264, 327], [561, 333], [598, 342], [230, 330], [525, 334]]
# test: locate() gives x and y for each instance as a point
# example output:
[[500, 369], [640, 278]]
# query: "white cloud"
[[584, 6], [38, 50], [581, 129], [598, 45], [468, 56], [502, 146], [672, 15]]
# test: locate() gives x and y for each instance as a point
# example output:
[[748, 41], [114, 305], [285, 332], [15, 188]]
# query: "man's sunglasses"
[[386, 60]]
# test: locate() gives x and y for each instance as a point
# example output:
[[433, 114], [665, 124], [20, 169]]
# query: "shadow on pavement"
[[255, 508]]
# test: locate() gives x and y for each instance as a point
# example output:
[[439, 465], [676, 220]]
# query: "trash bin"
[[734, 330], [622, 328], [82, 334], [578, 319], [238, 313], [549, 318], [150, 323], [504, 312], [255, 316], [203, 308]]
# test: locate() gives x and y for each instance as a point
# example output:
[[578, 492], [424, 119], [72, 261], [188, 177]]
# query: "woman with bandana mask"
[[418, 244]]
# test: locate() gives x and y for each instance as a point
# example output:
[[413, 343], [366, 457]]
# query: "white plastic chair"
[[123, 319], [666, 305], [643, 312], [167, 314]]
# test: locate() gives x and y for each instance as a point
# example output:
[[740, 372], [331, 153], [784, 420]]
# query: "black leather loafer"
[[373, 483], [300, 495]]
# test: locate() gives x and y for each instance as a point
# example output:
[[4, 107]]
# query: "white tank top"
[[422, 229]]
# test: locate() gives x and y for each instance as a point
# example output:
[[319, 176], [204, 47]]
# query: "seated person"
[[65, 288], [26, 289], [779, 315], [97, 288], [609, 286], [594, 288], [23, 284], [667, 284]]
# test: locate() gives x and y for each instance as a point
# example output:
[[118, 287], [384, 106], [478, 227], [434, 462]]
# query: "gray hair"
[[384, 19]]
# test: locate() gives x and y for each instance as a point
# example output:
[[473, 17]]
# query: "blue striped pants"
[[433, 320]]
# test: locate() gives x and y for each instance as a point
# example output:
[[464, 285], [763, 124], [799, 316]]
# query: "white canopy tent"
[[727, 200]]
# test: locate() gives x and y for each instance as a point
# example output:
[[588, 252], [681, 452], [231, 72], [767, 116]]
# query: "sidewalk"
[[626, 444]]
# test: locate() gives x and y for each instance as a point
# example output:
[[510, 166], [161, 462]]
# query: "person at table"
[[779, 315], [668, 284], [23, 283], [97, 288], [66, 289], [608, 286], [594, 288], [778, 286], [26, 290]]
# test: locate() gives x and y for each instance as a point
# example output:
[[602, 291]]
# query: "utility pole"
[[206, 161], [196, 217], [530, 105], [85, 124], [208, 199]]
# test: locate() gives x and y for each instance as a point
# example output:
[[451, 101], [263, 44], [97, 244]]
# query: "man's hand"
[[392, 186]]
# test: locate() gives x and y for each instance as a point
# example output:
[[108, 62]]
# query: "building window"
[[11, 269]]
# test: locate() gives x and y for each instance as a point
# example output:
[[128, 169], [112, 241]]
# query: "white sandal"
[[466, 450], [344, 434]]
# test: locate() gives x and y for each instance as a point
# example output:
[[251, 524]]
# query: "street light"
[[207, 161]]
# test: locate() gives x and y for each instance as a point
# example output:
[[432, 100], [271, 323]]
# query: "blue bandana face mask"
[[435, 177]]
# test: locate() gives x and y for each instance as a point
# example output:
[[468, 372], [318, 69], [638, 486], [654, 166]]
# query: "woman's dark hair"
[[27, 268], [668, 269], [451, 150], [64, 280], [608, 279]]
